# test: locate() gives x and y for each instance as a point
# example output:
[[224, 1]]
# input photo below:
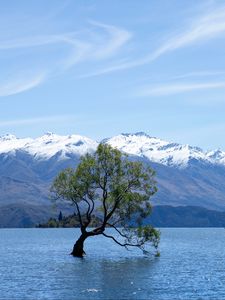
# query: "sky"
[[101, 68]]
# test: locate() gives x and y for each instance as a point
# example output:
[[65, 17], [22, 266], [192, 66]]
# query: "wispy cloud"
[[205, 28], [29, 42], [99, 42], [20, 85], [170, 89], [88, 45], [202, 29], [33, 121], [117, 38], [96, 48], [201, 74]]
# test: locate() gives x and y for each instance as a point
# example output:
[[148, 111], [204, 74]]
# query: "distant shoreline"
[[166, 216]]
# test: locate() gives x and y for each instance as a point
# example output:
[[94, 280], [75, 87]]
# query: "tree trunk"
[[78, 248]]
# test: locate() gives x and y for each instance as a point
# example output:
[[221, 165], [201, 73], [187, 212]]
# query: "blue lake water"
[[35, 264]]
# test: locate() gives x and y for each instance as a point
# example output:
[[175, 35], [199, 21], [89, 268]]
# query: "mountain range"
[[186, 175]]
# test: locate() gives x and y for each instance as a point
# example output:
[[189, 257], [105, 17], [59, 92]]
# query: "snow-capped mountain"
[[186, 175], [163, 152], [217, 156], [48, 145], [138, 144]]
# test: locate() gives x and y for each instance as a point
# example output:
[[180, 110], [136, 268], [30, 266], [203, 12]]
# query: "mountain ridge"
[[138, 144], [185, 175]]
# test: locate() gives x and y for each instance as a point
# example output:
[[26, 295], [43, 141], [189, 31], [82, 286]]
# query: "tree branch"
[[90, 209], [120, 233], [117, 202], [105, 196], [125, 244], [87, 212], [93, 205], [79, 216], [117, 221]]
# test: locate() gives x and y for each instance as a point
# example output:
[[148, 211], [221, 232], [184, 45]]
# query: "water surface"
[[35, 264]]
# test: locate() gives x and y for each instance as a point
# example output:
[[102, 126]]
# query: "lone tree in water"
[[114, 188]]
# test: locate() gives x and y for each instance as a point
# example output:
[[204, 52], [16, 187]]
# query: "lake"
[[35, 264]]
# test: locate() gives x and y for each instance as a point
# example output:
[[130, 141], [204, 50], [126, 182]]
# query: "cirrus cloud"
[[97, 43]]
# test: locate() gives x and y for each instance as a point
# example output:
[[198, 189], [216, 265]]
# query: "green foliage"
[[116, 188], [52, 223], [157, 254], [68, 222]]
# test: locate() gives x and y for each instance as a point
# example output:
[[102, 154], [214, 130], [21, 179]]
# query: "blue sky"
[[99, 68]]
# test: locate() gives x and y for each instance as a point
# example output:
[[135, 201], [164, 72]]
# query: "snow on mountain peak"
[[10, 143], [138, 144], [217, 155], [48, 133], [140, 133], [8, 137], [48, 145], [156, 150]]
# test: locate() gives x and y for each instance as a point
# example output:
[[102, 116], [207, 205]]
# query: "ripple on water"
[[35, 264]]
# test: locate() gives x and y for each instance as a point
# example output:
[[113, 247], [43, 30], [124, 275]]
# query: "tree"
[[115, 188], [60, 217]]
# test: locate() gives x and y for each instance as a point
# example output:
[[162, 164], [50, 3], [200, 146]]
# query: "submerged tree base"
[[79, 254], [78, 248]]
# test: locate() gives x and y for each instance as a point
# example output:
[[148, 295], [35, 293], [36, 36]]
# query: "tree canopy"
[[117, 190]]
